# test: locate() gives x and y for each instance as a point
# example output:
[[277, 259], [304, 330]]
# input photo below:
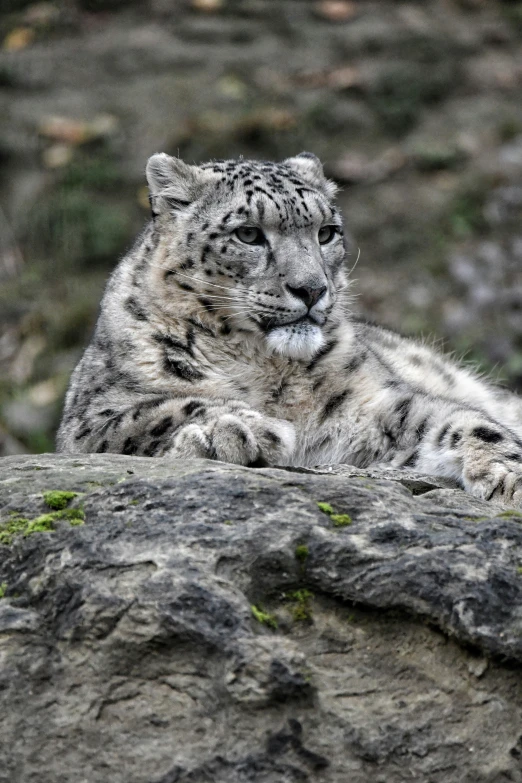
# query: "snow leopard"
[[227, 333]]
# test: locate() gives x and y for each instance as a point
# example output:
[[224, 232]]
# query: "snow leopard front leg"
[[234, 433], [439, 437], [485, 456], [157, 425]]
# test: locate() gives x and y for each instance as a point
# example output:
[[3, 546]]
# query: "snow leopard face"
[[257, 245]]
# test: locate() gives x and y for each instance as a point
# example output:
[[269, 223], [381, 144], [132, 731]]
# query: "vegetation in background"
[[372, 95], [512, 10], [81, 220]]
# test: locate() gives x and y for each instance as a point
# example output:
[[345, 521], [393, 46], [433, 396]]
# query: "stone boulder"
[[168, 621]]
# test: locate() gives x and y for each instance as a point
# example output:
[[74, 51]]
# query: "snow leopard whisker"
[[238, 313], [228, 301], [234, 303], [215, 285], [241, 311], [200, 279], [356, 261], [223, 298]]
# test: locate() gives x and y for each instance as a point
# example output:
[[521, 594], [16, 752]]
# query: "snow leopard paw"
[[493, 471], [243, 437], [500, 483]]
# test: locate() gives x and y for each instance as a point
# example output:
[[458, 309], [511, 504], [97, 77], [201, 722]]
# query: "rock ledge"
[[209, 622]]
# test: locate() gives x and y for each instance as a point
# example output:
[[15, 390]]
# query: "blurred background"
[[415, 108]]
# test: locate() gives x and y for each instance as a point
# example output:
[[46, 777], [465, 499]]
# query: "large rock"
[[214, 623]]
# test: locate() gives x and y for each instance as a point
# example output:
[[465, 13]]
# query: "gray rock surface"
[[385, 650]]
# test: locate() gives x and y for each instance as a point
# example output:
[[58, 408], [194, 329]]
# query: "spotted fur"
[[226, 333]]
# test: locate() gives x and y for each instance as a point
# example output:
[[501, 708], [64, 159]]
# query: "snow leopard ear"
[[174, 184], [310, 168]]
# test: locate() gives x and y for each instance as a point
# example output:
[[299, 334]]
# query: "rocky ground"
[[166, 621], [416, 108]]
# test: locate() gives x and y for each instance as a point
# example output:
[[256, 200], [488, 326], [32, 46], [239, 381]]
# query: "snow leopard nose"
[[310, 296]]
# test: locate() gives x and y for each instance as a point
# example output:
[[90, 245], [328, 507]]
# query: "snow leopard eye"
[[326, 234], [250, 235]]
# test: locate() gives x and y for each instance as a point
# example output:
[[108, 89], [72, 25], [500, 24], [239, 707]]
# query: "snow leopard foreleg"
[[224, 430], [439, 437]]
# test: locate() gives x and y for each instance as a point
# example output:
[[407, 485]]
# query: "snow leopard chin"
[[296, 341]]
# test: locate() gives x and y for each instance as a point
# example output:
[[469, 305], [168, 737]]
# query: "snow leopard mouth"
[[309, 319]]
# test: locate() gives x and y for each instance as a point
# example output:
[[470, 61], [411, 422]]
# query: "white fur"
[[296, 342]]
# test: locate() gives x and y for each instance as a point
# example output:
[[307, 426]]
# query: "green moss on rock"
[[339, 520], [58, 499], [263, 617], [15, 526], [325, 508], [301, 609], [301, 552], [45, 523], [509, 514]]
